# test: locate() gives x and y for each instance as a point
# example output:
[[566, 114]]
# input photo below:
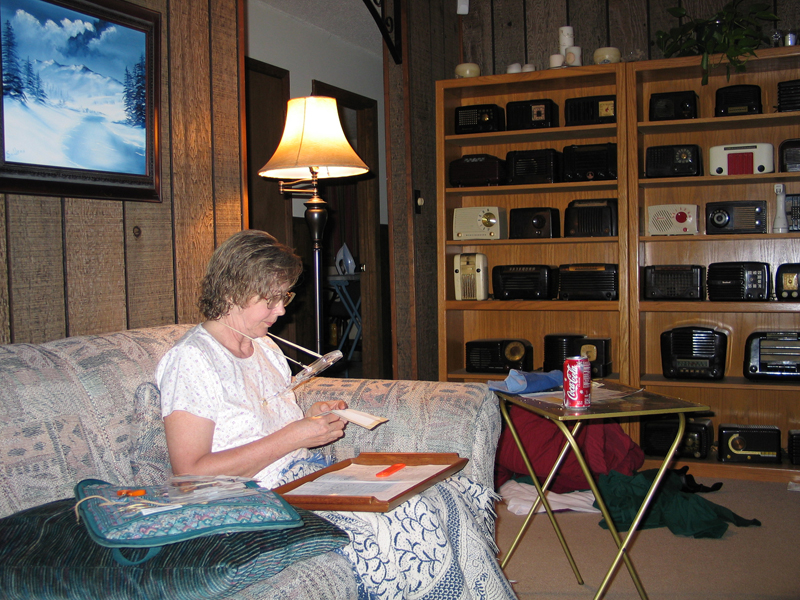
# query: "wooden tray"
[[449, 462]]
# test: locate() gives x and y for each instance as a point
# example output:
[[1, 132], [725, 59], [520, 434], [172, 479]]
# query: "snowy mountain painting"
[[74, 89]]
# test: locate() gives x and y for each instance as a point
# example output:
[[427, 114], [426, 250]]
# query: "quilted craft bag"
[[147, 518]]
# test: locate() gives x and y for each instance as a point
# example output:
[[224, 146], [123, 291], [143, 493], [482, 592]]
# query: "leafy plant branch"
[[733, 33]]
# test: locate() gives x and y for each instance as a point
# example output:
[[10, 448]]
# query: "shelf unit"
[[463, 321], [633, 324], [733, 399]]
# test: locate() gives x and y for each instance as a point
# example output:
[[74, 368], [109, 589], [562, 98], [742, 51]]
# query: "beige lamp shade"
[[313, 138]]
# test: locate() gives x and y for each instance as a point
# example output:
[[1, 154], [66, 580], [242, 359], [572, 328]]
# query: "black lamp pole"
[[316, 216]]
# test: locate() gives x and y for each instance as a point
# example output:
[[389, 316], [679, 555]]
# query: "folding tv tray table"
[[637, 404]]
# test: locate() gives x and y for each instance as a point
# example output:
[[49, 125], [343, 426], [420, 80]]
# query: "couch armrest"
[[424, 416]]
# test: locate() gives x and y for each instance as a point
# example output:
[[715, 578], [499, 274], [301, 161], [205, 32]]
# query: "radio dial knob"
[[538, 222], [720, 218], [514, 351], [488, 219], [681, 217], [737, 443]]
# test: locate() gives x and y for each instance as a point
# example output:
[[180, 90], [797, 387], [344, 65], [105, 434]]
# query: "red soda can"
[[577, 383]]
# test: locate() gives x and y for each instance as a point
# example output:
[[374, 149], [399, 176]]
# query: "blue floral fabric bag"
[[151, 517]]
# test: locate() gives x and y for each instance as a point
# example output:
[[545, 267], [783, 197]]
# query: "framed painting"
[[81, 82]]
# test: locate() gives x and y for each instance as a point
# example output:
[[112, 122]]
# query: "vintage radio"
[[531, 114], [772, 355], [693, 353], [588, 282], [741, 159], [749, 443], [480, 223], [673, 161], [498, 355], [789, 156], [525, 167], [591, 218], [793, 211], [745, 216], [737, 281], [793, 447], [669, 106], [658, 434], [557, 348], [789, 95], [479, 118], [471, 276], [592, 162], [533, 222], [735, 100], [592, 110], [598, 351], [675, 282], [672, 219], [787, 282], [524, 282], [476, 170]]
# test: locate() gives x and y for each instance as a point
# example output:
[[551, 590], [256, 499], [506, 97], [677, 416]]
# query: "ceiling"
[[349, 20]]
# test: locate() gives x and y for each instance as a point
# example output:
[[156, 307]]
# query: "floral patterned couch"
[[87, 407]]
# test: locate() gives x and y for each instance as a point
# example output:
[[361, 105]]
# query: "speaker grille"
[[794, 446], [482, 357], [693, 342], [557, 349]]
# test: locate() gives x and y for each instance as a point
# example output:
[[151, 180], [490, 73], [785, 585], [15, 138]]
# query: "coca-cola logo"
[[574, 387]]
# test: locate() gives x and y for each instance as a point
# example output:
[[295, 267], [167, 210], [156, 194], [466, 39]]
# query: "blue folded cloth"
[[521, 382]]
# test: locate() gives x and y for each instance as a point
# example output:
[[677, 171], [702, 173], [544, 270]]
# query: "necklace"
[[264, 401], [252, 339]]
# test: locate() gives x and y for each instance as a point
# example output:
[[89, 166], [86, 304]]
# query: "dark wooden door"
[[267, 93], [362, 223]]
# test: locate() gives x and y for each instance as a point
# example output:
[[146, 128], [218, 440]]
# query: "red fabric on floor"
[[604, 444]]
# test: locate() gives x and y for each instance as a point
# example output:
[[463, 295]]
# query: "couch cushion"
[[67, 411], [46, 554], [150, 459]]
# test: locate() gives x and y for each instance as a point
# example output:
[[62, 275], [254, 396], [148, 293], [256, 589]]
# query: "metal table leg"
[[541, 497], [606, 515], [645, 504]]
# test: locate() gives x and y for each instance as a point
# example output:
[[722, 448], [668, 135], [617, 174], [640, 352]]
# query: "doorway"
[[354, 208], [355, 220]]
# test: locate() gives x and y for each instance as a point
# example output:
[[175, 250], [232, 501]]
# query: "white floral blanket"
[[439, 544]]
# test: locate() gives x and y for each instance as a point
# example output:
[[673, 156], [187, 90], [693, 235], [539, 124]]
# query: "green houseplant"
[[734, 33]]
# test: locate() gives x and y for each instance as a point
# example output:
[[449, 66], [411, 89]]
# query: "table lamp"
[[313, 146]]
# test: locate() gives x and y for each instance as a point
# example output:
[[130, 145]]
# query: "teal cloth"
[[683, 513], [46, 554]]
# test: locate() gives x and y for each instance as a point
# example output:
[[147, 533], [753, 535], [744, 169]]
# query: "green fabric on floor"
[[683, 513]]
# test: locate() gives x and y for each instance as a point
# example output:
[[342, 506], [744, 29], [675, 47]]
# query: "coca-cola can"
[[577, 383]]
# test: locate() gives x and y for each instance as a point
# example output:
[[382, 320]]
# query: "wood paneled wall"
[[74, 266], [430, 50], [497, 33]]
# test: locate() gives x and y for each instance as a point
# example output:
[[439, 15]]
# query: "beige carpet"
[[747, 562]]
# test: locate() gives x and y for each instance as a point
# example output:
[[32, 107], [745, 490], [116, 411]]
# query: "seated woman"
[[227, 411]]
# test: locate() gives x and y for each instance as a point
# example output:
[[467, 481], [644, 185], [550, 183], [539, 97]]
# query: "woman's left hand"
[[322, 407]]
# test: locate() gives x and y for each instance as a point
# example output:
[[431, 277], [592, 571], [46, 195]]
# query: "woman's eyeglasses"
[[285, 299]]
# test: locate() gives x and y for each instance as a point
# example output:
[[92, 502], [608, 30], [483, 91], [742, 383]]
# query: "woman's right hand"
[[320, 430]]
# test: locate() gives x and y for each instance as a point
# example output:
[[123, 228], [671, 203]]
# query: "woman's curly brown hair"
[[249, 263]]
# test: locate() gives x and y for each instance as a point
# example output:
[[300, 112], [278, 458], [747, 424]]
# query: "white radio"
[[741, 159], [480, 223], [471, 276], [672, 219]]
